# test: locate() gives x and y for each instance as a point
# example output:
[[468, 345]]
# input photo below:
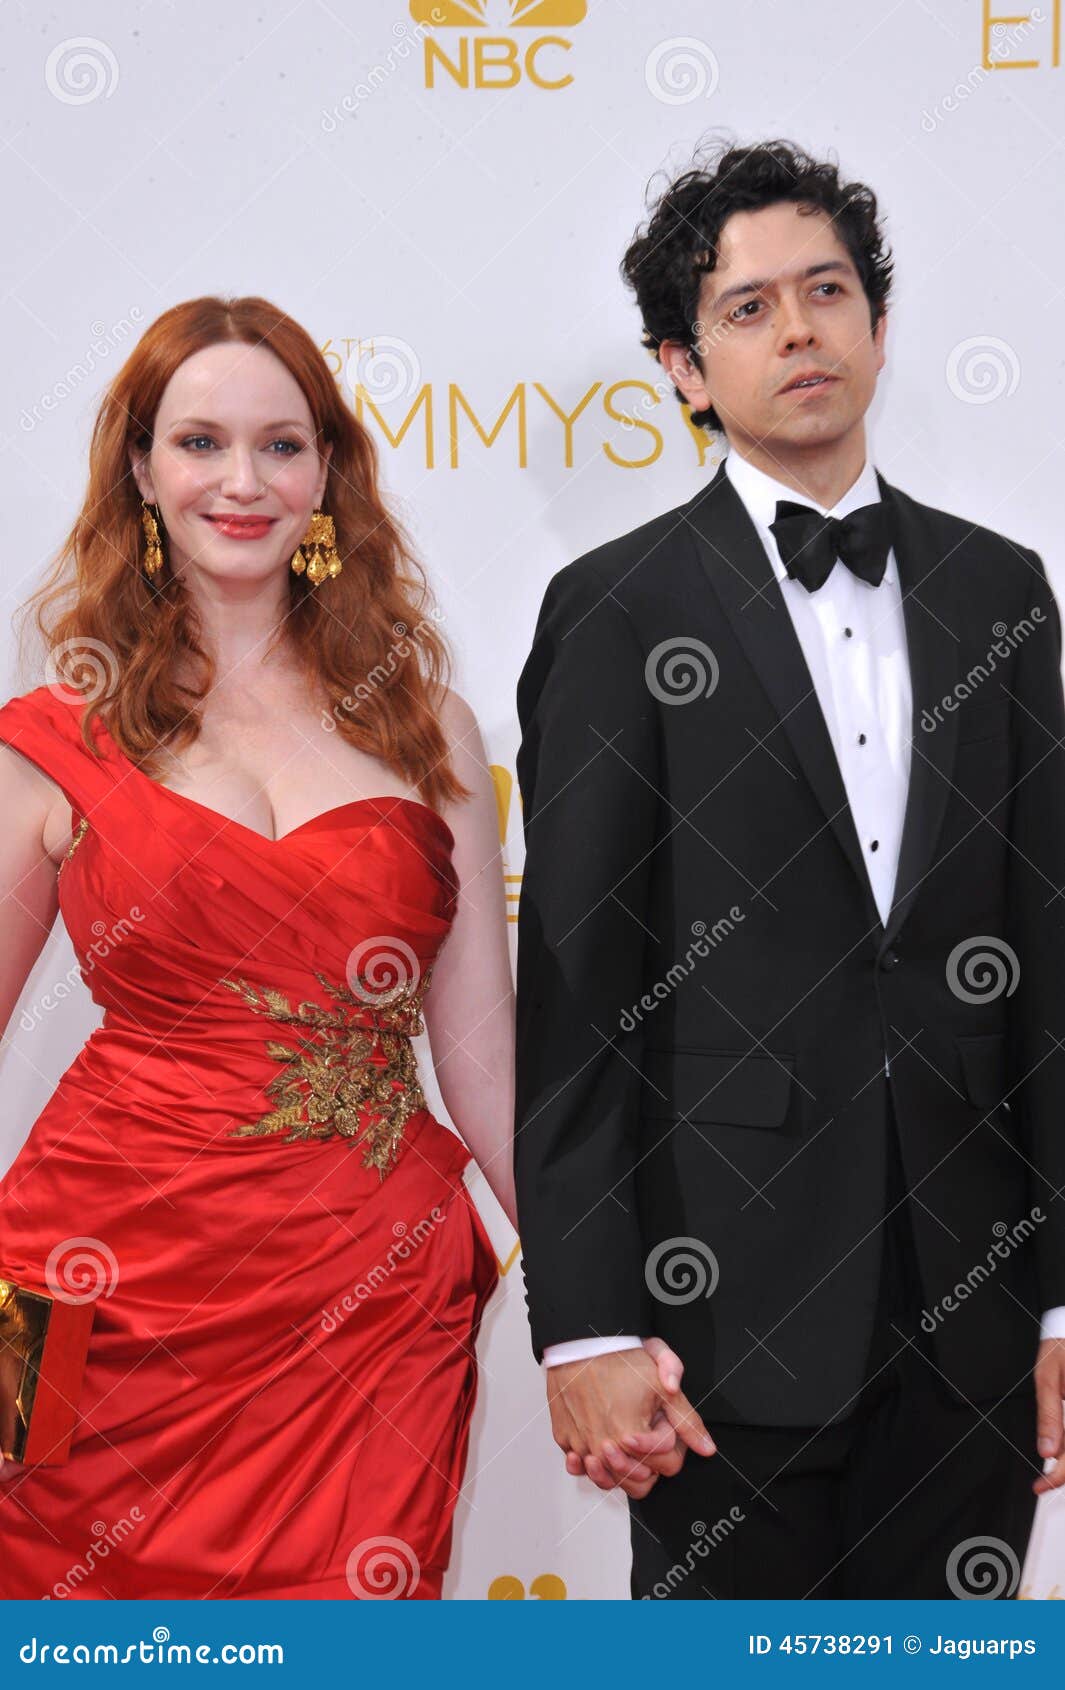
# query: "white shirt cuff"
[[582, 1349], [1053, 1323]]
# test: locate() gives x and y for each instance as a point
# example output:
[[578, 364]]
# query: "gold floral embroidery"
[[79, 834], [331, 1085]]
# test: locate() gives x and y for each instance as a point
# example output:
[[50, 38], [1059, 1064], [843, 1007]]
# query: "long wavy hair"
[[367, 636]]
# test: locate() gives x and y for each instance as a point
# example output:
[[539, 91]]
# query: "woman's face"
[[234, 465]]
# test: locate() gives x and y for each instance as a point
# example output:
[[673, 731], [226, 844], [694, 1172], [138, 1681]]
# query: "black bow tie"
[[810, 543]]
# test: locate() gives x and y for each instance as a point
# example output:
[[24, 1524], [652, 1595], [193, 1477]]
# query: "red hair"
[[369, 641]]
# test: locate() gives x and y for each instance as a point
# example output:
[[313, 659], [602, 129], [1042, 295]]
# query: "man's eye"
[[746, 306]]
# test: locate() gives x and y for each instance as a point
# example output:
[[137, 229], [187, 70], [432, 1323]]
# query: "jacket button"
[[890, 959]]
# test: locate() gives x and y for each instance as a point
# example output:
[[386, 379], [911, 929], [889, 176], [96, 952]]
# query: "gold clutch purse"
[[43, 1345]]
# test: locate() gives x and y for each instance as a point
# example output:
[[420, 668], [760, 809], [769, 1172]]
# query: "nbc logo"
[[487, 58]]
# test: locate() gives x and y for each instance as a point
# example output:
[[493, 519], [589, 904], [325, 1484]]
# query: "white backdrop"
[[451, 236]]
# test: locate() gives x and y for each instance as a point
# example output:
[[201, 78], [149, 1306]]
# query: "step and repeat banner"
[[441, 193]]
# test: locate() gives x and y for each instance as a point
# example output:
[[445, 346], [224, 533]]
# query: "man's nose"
[[795, 326]]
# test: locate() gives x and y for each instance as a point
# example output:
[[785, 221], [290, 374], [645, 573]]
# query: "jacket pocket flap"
[[983, 1067], [717, 1085]]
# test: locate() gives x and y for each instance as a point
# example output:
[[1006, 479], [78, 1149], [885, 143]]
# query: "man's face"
[[765, 320]]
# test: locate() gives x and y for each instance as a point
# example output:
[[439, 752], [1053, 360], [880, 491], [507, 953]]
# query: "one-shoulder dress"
[[240, 1171]]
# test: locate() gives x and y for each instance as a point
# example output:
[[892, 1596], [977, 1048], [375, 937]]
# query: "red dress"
[[239, 1169]]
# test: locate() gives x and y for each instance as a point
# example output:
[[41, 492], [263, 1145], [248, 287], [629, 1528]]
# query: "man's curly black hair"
[[667, 259]]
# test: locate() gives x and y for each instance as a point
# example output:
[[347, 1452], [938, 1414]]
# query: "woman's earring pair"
[[320, 540]]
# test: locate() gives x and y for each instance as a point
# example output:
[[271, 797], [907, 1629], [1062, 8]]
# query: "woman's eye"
[[198, 442]]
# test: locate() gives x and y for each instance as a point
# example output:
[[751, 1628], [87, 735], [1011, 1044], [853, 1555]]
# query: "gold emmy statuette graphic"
[[503, 781], [43, 1345]]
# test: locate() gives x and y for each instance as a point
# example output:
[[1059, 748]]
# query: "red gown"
[[239, 1169]]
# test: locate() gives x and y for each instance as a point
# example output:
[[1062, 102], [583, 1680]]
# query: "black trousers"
[[914, 1494]]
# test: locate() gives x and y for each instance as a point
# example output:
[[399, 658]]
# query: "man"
[[791, 967]]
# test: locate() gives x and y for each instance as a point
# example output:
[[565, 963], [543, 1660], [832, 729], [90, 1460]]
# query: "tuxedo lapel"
[[742, 577], [930, 603]]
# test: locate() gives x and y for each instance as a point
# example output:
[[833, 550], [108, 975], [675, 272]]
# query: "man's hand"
[[1049, 1391], [619, 1423]]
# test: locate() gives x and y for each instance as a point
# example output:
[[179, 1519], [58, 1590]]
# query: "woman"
[[274, 812]]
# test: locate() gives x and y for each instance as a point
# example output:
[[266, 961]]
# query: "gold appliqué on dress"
[[79, 834], [331, 1084]]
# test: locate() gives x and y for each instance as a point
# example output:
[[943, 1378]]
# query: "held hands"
[[623, 1419], [1049, 1391]]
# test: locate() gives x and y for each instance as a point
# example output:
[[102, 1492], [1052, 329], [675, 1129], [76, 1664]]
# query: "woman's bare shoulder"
[[456, 716]]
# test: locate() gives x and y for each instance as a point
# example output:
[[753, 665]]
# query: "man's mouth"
[[808, 381]]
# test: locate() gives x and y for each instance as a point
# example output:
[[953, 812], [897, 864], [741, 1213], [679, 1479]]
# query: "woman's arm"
[[29, 897], [28, 904], [469, 1008]]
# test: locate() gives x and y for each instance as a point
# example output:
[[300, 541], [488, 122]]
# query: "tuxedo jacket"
[[708, 997]]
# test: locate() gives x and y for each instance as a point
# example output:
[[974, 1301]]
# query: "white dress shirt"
[[853, 637]]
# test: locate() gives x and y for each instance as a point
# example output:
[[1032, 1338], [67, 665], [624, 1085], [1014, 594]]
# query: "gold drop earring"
[[153, 553], [321, 540]]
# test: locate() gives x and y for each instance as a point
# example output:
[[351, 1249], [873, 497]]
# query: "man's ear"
[[679, 364], [879, 336]]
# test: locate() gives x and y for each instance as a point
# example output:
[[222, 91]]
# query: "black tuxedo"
[[746, 1108]]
